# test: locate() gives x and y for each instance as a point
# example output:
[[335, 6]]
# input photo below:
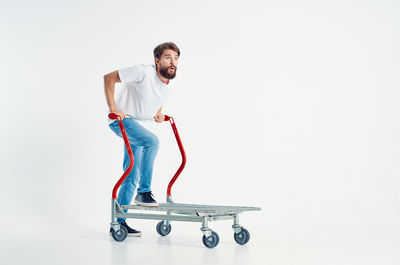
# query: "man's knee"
[[153, 141]]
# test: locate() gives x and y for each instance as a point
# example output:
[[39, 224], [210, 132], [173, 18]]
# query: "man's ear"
[[157, 61]]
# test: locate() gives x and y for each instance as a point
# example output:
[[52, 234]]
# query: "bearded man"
[[145, 90]]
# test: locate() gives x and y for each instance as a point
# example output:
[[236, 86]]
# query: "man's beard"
[[164, 72]]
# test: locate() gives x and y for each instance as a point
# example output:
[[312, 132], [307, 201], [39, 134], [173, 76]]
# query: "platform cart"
[[171, 211]]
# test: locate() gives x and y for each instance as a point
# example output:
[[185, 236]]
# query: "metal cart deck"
[[171, 211]]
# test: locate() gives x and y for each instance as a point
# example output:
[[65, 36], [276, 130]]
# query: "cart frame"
[[171, 211]]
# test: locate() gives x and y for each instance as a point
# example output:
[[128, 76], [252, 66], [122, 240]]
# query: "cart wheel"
[[242, 237], [211, 241], [163, 229], [119, 235]]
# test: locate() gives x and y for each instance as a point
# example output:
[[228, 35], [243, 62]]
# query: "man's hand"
[[118, 112], [159, 117]]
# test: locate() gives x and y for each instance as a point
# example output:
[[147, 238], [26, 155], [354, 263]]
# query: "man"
[[145, 89]]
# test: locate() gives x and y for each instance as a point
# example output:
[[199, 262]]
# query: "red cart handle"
[[182, 166], [114, 116]]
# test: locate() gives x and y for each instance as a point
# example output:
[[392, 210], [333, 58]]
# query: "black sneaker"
[[131, 231], [145, 199]]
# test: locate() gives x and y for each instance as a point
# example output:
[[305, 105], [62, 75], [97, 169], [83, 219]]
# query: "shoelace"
[[150, 194]]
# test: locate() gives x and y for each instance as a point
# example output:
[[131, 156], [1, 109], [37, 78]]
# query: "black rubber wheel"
[[119, 235], [163, 229], [242, 237], [211, 241]]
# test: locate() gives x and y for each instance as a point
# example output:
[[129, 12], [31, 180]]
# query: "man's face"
[[167, 64]]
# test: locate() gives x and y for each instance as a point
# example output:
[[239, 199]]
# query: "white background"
[[291, 106]]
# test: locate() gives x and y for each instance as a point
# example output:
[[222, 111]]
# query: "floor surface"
[[79, 244]]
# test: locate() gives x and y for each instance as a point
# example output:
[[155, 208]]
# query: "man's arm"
[[109, 88]]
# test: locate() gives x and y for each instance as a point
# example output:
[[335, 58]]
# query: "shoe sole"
[[146, 204], [132, 234], [135, 234]]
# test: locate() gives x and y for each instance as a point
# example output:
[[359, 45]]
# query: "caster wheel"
[[211, 241], [242, 237], [119, 235], [163, 229]]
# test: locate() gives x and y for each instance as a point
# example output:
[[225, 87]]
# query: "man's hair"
[[159, 50]]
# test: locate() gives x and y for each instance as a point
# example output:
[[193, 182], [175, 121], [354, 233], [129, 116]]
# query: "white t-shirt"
[[142, 93]]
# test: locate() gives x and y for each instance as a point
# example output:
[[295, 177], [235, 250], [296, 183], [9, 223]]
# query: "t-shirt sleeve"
[[133, 74]]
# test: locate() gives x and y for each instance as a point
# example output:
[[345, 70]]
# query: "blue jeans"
[[144, 145]]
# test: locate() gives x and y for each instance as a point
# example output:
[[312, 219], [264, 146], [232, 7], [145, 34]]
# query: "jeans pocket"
[[115, 128]]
